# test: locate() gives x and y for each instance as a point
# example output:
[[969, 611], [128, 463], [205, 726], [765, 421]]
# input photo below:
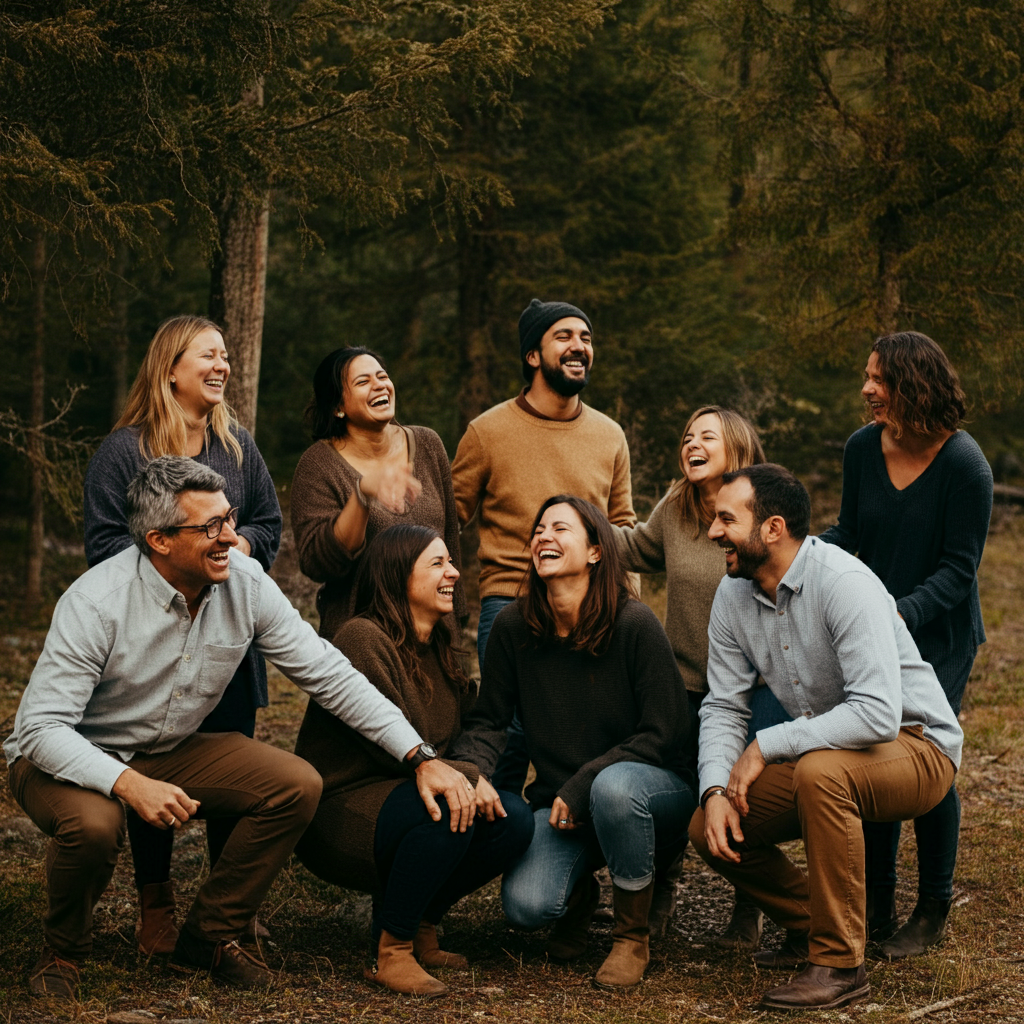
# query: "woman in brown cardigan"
[[372, 830], [362, 474]]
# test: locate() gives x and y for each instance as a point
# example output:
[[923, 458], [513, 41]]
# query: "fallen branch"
[[945, 1004]]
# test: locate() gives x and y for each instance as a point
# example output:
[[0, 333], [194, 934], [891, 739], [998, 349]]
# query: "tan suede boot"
[[396, 969], [155, 930], [568, 938], [626, 963], [429, 952]]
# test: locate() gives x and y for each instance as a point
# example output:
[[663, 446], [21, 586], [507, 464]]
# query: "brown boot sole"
[[845, 999], [370, 975]]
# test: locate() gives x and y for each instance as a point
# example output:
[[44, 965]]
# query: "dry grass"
[[319, 932]]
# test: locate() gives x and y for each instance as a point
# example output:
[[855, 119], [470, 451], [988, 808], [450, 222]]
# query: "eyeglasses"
[[211, 527]]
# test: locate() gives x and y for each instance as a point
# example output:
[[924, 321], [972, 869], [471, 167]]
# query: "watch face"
[[428, 750]]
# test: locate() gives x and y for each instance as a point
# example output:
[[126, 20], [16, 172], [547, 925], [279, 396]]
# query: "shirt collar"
[[161, 590], [794, 578]]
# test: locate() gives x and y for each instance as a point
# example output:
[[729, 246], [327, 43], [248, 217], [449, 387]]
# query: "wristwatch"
[[425, 752], [712, 791]]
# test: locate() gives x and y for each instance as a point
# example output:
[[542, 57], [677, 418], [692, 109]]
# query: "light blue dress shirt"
[[126, 670], [835, 653]]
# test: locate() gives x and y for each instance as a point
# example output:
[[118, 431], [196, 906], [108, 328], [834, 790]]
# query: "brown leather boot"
[[155, 930], [819, 988], [396, 969], [743, 932], [568, 938], [663, 903], [428, 950], [626, 963]]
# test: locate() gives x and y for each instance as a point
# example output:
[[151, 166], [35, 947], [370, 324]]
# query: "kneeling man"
[[140, 650], [872, 736]]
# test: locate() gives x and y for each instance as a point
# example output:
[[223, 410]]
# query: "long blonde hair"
[[151, 405], [742, 448]]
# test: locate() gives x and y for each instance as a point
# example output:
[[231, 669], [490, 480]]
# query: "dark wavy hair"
[[925, 396], [606, 595], [329, 391], [382, 596]]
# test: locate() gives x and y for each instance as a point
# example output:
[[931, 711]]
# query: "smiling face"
[[702, 454], [565, 356], [193, 561], [875, 393], [368, 398], [735, 533], [431, 586], [560, 546], [200, 374]]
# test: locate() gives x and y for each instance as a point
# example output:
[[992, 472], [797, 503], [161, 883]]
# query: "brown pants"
[[822, 798], [274, 792]]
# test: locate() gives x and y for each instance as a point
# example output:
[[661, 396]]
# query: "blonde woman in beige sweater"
[[674, 540]]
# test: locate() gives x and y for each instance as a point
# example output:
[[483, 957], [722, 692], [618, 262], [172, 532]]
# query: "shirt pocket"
[[220, 662]]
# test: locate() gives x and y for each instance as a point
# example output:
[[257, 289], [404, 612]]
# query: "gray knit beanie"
[[538, 317]]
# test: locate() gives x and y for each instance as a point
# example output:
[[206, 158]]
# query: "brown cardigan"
[[358, 775], [322, 485]]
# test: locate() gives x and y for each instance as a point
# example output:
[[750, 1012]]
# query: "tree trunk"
[[36, 451], [476, 263], [117, 333], [238, 290]]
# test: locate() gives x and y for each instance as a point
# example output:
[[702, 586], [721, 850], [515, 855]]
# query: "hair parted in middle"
[[742, 448], [329, 391], [381, 594], [153, 494], [925, 396], [151, 405], [606, 595], [777, 492]]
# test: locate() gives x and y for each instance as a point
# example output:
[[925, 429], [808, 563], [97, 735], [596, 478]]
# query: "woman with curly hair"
[[917, 498]]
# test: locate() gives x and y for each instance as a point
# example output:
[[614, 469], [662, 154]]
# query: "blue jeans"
[[514, 762], [638, 813]]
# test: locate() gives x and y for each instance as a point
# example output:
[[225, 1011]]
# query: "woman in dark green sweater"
[[372, 830], [606, 720], [917, 497]]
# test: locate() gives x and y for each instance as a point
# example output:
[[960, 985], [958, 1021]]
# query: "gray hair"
[[153, 494]]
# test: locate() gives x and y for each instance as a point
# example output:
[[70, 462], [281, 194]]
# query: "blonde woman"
[[176, 407], [674, 540]]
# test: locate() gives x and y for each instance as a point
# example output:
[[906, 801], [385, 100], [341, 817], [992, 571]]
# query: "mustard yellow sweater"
[[509, 463]]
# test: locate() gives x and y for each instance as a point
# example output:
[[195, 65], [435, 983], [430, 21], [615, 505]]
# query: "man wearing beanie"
[[519, 453]]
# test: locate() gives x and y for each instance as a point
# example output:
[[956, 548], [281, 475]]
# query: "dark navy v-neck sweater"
[[924, 542]]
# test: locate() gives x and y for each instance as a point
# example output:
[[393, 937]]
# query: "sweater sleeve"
[[105, 497], [663, 723], [620, 499], [318, 496], [642, 548], [966, 516], [470, 473], [844, 533], [260, 516]]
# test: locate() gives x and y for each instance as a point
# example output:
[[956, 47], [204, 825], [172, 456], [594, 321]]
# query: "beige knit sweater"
[[694, 567], [509, 463]]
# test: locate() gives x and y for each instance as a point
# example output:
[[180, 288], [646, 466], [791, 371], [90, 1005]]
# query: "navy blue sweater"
[[925, 542]]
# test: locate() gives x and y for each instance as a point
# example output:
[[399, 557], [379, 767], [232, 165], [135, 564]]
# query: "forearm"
[[350, 526]]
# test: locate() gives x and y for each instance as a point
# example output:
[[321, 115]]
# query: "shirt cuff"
[[400, 739], [773, 745]]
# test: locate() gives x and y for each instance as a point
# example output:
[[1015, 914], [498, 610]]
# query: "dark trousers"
[[425, 868]]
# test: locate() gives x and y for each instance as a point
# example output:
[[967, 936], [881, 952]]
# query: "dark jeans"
[[425, 868], [937, 832], [514, 762], [151, 847]]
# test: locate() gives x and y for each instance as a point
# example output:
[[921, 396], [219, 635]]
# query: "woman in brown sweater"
[[362, 474], [372, 830]]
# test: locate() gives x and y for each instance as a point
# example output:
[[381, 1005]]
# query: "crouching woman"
[[606, 719], [372, 830]]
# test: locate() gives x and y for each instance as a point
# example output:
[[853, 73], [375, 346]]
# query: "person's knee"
[[300, 785], [614, 797], [697, 835], [96, 835], [819, 777], [526, 905], [517, 825]]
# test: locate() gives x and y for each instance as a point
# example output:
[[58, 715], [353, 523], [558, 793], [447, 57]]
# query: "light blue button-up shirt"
[[836, 654], [125, 669]]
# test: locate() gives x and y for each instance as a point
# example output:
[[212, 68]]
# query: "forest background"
[[741, 194]]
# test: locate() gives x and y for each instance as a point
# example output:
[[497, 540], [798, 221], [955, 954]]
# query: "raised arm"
[[642, 548]]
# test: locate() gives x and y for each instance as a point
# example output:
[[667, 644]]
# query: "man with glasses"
[[140, 649]]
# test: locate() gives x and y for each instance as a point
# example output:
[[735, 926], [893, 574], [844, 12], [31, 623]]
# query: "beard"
[[751, 554], [555, 378]]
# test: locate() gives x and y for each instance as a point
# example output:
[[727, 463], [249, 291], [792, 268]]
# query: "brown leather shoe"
[[254, 933], [819, 988], [792, 953], [568, 938], [396, 968], [428, 950], [155, 930], [228, 962], [743, 932], [625, 965], [54, 975], [663, 903]]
